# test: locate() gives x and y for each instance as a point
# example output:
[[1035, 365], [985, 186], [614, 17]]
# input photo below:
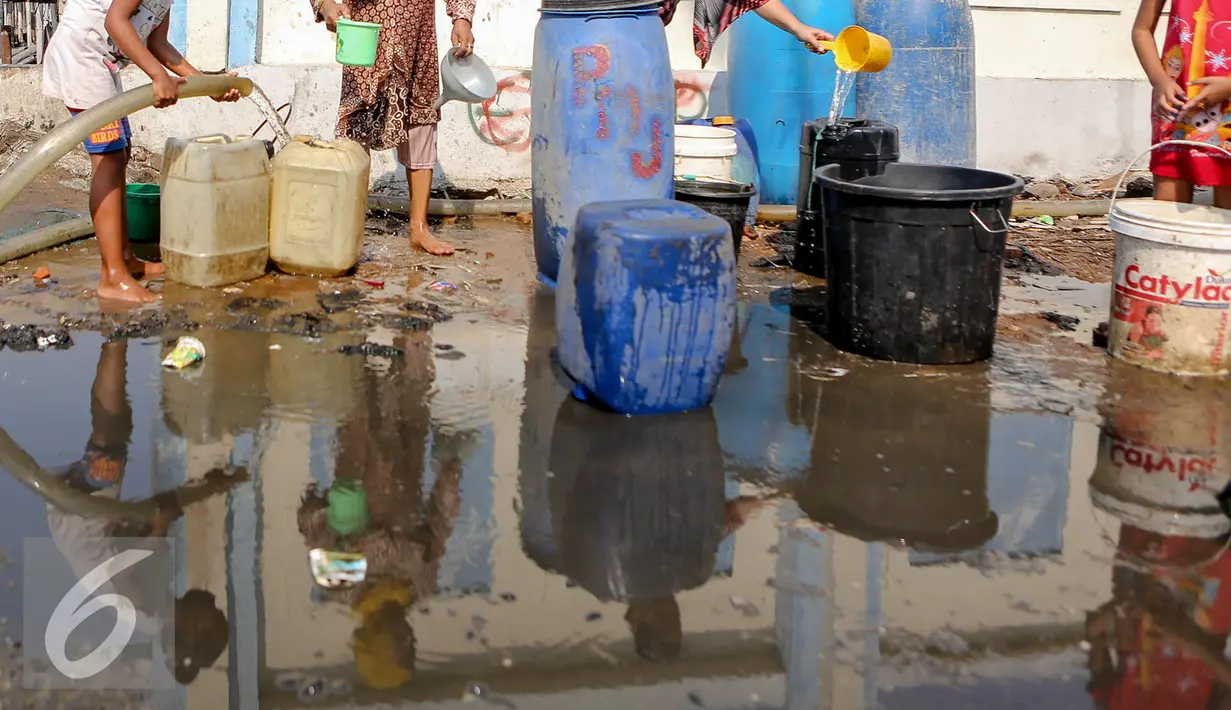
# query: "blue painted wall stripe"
[[178, 32], [245, 22]]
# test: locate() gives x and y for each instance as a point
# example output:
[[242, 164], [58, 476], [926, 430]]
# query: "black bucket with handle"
[[913, 261]]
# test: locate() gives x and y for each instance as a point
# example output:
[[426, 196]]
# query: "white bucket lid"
[[1176, 223], [704, 141]]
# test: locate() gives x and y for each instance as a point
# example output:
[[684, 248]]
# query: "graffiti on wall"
[[503, 121]]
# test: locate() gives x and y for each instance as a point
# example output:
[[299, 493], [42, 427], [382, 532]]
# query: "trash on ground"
[[188, 351], [335, 570], [374, 283], [1062, 321], [1101, 334], [42, 273], [443, 286], [372, 350]]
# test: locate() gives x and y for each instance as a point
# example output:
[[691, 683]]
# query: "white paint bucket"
[[1162, 458], [704, 151], [1171, 309]]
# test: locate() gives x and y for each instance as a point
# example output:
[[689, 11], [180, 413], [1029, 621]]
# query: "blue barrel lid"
[[588, 6]]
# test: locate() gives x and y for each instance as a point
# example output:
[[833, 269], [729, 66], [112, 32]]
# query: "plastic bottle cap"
[[724, 121]]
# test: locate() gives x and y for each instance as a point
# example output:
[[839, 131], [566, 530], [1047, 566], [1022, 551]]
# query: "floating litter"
[[188, 351], [443, 286], [335, 570]]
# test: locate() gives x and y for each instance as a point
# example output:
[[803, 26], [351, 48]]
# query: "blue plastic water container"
[[645, 307], [602, 118], [928, 90], [777, 84], [744, 167]]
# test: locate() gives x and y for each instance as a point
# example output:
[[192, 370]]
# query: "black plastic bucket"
[[913, 261], [727, 200]]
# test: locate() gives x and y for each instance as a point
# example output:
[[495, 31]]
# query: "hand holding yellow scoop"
[[858, 50]]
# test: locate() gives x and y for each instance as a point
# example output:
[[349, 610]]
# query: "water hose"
[[68, 135], [53, 235], [57, 492]]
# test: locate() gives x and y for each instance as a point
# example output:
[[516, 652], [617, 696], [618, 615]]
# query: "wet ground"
[[833, 533]]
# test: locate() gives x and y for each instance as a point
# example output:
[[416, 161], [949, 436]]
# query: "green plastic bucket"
[[144, 213], [357, 43], [348, 507]]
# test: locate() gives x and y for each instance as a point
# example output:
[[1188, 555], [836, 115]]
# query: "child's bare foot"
[[123, 287], [422, 239]]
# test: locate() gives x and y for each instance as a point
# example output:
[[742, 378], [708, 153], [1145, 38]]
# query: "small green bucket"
[[357, 43], [144, 213]]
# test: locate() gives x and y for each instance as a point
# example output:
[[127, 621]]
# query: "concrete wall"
[[1059, 88]]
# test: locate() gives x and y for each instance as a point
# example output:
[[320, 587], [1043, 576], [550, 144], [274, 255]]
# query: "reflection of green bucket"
[[144, 213], [357, 43], [348, 507]]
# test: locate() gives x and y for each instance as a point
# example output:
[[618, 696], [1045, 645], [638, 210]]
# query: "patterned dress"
[[1198, 29], [709, 19], [381, 103]]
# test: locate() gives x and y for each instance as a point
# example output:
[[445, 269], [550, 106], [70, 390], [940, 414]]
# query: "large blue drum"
[[645, 309], [602, 118]]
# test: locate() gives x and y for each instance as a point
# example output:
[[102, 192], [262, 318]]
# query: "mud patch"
[[339, 301], [407, 324], [430, 311], [247, 303], [1027, 263], [149, 324], [30, 338], [372, 350], [306, 324]]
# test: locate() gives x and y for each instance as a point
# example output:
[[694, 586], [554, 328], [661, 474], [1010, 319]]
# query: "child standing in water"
[[95, 40], [1191, 92]]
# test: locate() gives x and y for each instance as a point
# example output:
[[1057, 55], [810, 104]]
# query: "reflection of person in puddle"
[[1168, 623], [376, 507], [1148, 332], [639, 506], [201, 631]]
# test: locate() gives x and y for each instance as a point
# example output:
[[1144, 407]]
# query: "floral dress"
[[381, 103], [709, 19], [1199, 30]]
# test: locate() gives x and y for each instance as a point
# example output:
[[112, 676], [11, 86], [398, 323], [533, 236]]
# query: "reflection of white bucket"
[[1169, 490], [1171, 309], [704, 151]]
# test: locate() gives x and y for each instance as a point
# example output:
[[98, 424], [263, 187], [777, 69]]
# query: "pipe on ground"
[[53, 235]]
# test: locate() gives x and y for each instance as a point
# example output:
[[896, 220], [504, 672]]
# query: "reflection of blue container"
[[777, 84], [928, 91], [646, 305], [602, 114], [744, 168]]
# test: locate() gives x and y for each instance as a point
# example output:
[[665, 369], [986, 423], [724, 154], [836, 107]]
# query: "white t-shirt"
[[81, 65]]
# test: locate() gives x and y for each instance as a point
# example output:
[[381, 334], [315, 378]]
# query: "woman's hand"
[[1169, 99], [462, 38], [1215, 90], [332, 12], [166, 90], [812, 38]]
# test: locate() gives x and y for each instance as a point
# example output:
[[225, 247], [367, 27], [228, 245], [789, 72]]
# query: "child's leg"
[[108, 148], [107, 211], [1172, 190]]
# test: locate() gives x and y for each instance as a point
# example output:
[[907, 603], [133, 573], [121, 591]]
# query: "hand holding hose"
[[230, 96], [166, 90]]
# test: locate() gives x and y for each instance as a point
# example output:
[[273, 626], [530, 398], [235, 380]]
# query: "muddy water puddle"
[[833, 533]]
